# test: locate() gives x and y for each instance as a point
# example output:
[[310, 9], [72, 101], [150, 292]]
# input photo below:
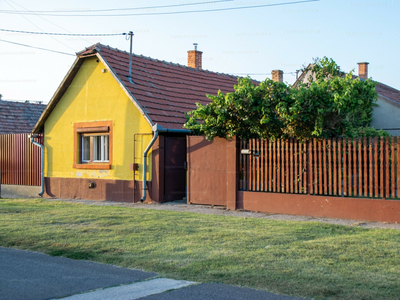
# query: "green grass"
[[313, 260]]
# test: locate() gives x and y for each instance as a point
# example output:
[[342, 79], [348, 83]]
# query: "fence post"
[[308, 168], [232, 166]]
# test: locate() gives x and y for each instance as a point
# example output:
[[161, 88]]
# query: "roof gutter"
[[156, 129], [31, 137]]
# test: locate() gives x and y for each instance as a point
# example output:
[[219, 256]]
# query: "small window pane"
[[105, 148], [97, 148], [85, 148]]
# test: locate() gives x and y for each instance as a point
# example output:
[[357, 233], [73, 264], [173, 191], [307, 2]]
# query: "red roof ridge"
[[98, 47]]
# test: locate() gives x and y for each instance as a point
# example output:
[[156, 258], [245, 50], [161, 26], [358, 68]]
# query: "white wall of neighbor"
[[386, 116]]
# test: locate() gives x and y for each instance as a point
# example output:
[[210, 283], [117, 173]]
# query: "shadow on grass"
[[73, 254]]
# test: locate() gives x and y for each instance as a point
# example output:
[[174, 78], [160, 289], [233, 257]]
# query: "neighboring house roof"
[[19, 117], [162, 91], [302, 77], [388, 92], [381, 89]]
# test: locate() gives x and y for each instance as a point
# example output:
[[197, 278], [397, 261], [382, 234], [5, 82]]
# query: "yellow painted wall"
[[95, 96]]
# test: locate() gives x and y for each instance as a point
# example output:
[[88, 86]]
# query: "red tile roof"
[[165, 91], [388, 92], [19, 117]]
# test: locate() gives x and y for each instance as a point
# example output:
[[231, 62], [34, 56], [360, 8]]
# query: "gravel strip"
[[181, 205]]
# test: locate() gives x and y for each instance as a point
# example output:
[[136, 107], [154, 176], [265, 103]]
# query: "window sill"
[[93, 166]]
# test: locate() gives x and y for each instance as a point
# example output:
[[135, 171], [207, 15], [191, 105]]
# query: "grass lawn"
[[313, 260]]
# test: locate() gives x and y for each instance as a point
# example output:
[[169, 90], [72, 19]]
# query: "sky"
[[240, 41]]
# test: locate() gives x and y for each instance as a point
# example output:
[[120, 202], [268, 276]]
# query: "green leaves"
[[330, 104]]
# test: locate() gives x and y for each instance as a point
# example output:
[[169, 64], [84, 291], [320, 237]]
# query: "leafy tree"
[[330, 104], [250, 111]]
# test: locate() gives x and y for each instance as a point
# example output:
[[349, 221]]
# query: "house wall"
[[386, 116], [95, 96]]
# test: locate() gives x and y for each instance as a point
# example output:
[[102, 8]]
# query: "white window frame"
[[104, 148]]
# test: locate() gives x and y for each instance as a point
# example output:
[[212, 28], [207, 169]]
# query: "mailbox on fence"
[[249, 152], [246, 151]]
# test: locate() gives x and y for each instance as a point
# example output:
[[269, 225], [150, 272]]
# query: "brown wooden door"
[[174, 168]]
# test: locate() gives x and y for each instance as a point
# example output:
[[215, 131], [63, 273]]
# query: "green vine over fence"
[[329, 103]]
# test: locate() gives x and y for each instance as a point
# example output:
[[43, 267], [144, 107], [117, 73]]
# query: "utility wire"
[[115, 9], [184, 12], [48, 21], [37, 47], [38, 26], [74, 55], [71, 34]]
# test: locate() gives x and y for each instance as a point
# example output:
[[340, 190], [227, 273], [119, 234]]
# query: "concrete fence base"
[[19, 191]]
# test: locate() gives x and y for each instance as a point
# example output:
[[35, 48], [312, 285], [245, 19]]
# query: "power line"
[[48, 21], [70, 34], [184, 12], [292, 73], [115, 9], [36, 47], [38, 26]]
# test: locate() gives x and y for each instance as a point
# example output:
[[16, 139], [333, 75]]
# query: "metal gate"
[[174, 168], [20, 160]]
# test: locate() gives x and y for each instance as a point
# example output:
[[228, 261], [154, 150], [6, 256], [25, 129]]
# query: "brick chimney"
[[363, 70], [277, 75], [194, 58]]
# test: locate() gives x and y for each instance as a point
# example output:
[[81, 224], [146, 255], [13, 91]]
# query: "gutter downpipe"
[[156, 129], [31, 137]]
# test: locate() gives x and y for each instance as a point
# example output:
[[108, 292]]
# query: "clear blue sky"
[[242, 41]]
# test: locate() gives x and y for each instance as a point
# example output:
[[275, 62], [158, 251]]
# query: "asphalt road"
[[29, 275], [217, 292]]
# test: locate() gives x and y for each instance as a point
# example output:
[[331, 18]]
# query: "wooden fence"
[[362, 167], [20, 160]]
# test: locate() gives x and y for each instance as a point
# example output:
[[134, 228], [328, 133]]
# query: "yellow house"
[[100, 121]]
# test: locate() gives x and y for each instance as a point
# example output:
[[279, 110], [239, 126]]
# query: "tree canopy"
[[329, 103]]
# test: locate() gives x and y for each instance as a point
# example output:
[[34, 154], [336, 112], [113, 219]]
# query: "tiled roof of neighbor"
[[388, 92], [164, 90], [19, 117], [381, 89]]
